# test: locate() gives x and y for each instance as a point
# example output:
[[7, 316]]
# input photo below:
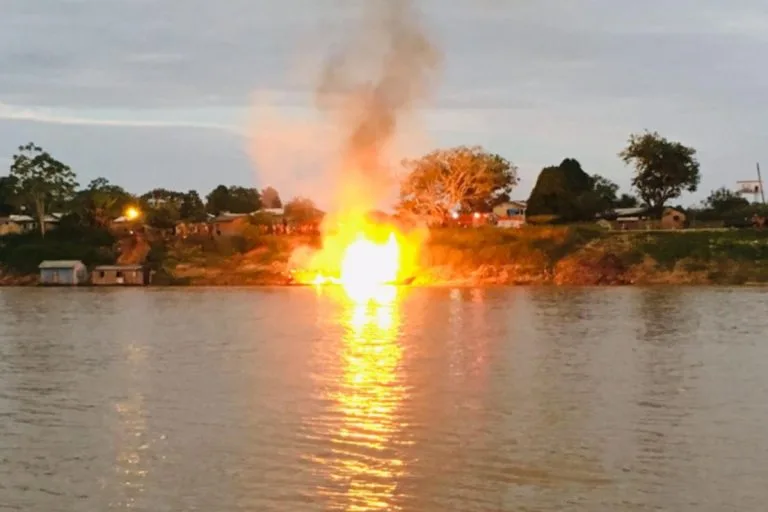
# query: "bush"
[[23, 253]]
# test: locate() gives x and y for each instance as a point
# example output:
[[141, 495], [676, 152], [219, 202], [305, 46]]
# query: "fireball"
[[367, 263], [360, 255]]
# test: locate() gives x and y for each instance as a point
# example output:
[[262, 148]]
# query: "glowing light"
[[132, 213], [361, 255], [363, 466], [367, 264], [455, 215], [477, 215]]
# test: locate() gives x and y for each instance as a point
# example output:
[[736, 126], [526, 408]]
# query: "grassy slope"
[[585, 255], [582, 255]]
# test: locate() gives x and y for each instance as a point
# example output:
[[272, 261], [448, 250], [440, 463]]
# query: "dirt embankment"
[[532, 256], [471, 257], [9, 279]]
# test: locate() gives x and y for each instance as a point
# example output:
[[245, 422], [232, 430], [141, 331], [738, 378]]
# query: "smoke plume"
[[367, 91], [369, 87]]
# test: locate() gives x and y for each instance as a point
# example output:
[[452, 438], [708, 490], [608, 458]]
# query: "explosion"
[[366, 91]]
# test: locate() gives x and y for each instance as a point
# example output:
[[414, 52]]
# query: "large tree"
[[663, 168], [162, 207], [192, 207], [270, 198], [233, 199], [568, 193], [41, 181], [466, 178], [100, 202]]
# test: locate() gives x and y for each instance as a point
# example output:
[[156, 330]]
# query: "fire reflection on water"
[[363, 467]]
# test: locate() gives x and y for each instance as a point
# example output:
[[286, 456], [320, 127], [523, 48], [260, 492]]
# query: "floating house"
[[120, 275], [63, 273]]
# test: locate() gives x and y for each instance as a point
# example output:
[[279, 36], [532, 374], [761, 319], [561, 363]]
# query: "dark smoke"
[[372, 83]]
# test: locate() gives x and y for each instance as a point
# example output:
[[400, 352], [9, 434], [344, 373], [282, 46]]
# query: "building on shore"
[[120, 275], [230, 224], [63, 273], [19, 224]]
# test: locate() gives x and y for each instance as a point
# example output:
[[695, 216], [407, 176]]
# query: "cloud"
[[128, 119], [535, 80]]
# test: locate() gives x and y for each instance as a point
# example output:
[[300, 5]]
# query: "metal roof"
[[60, 264], [118, 267], [20, 218]]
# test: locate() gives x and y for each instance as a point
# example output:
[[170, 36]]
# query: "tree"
[[663, 168], [568, 193], [162, 217], [7, 195], [41, 180], [163, 207], [723, 201], [233, 199], [158, 197], [627, 201], [302, 211], [100, 202], [270, 198], [461, 177], [192, 207], [605, 192], [217, 200]]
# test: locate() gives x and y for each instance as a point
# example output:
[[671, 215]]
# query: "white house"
[[63, 272]]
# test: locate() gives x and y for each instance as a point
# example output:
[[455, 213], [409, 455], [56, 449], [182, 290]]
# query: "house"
[[63, 272], [672, 218], [511, 209], [185, 229], [120, 275], [51, 221], [125, 226], [230, 224], [510, 214], [276, 212], [628, 218], [16, 224]]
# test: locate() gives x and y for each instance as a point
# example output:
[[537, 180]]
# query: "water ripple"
[[428, 400]]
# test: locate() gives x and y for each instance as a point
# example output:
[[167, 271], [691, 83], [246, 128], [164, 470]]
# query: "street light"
[[132, 213]]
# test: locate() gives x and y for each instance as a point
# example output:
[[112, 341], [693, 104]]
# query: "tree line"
[[469, 179], [39, 184], [464, 179]]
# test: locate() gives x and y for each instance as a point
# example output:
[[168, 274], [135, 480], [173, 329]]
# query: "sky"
[[162, 93]]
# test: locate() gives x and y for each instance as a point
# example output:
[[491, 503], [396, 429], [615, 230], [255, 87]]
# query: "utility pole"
[[760, 182]]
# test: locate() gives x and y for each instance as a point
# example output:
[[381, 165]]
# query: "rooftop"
[[102, 268], [60, 264]]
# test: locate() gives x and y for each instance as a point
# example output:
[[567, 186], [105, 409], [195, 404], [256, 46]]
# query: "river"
[[535, 399]]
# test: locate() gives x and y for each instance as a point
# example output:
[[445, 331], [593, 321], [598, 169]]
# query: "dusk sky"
[[159, 93]]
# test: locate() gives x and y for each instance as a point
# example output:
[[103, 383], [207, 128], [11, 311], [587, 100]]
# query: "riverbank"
[[574, 255]]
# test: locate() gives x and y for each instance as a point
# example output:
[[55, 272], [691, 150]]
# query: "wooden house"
[[230, 224], [120, 275]]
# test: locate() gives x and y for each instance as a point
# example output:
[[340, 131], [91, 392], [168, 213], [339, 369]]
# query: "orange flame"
[[361, 254]]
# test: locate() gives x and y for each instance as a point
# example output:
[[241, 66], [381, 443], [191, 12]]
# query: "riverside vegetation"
[[569, 248], [562, 255], [534, 255]]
